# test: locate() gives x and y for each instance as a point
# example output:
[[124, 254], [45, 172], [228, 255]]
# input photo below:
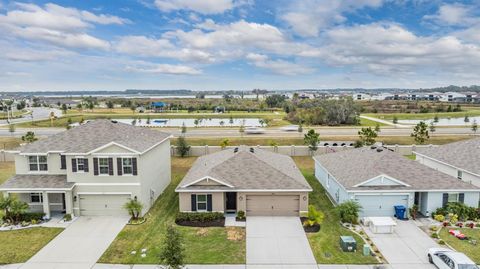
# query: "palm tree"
[[134, 208]]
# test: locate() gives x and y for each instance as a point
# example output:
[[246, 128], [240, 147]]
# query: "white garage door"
[[103, 204], [273, 205], [380, 205]]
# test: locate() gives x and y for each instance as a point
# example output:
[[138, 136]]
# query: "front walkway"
[[278, 242], [80, 245], [405, 248]]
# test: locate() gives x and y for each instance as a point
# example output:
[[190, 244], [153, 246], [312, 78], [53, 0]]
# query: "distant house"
[[158, 107], [258, 182], [379, 179]]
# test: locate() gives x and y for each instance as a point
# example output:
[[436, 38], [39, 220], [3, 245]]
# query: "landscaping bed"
[[207, 219], [310, 229]]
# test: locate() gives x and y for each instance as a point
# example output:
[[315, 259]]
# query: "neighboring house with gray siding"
[[460, 159], [92, 169], [379, 179], [256, 181]]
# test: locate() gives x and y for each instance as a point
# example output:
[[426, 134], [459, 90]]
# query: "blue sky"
[[238, 44]]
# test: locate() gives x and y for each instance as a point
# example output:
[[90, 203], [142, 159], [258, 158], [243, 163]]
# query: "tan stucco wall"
[[242, 201], [218, 201]]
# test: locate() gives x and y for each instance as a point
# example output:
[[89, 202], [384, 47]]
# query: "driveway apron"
[[80, 245], [407, 247], [278, 242]]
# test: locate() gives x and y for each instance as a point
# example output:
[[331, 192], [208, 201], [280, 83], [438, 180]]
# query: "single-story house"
[[460, 159], [258, 182], [379, 179], [92, 169]]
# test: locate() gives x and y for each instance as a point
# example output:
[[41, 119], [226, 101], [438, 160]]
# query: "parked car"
[[290, 128], [254, 130], [445, 258]]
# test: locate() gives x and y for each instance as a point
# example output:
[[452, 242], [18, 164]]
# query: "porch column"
[[46, 204], [68, 203]]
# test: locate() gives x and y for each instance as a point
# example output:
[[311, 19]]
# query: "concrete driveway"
[[80, 245], [406, 248], [278, 242]]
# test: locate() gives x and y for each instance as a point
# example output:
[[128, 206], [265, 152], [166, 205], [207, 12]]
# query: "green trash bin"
[[366, 250]]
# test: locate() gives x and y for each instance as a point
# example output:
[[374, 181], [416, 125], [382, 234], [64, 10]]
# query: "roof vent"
[[252, 150], [235, 150], [379, 150]]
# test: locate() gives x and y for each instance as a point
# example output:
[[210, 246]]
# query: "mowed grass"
[[325, 244], [7, 169], [202, 245], [20, 245], [425, 116], [472, 251], [287, 141], [9, 142]]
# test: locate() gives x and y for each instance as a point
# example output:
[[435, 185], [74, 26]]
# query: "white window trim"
[[131, 166], [100, 166], [78, 169], [206, 203], [37, 157], [454, 193], [35, 194]]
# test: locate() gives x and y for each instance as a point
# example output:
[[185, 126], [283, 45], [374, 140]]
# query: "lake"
[[444, 121], [212, 122]]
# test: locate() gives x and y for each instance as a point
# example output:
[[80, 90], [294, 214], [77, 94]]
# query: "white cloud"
[[308, 17], [55, 24], [168, 69], [31, 55], [392, 50], [454, 14], [200, 6], [278, 66]]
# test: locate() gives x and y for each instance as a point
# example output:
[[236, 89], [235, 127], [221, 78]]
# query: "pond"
[[210, 122], [444, 121]]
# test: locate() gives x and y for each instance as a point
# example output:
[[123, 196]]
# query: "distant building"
[[158, 107]]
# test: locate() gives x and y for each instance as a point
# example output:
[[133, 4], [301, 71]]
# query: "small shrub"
[[349, 211], [67, 217], [441, 242], [29, 216], [477, 225], [241, 214], [434, 235], [314, 217], [439, 218], [198, 216], [433, 228]]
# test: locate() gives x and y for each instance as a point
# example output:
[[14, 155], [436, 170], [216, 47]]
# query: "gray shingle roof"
[[261, 170], [33, 182], [94, 134], [463, 154], [355, 166]]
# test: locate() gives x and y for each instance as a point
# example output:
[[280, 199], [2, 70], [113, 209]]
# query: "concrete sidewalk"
[[227, 266]]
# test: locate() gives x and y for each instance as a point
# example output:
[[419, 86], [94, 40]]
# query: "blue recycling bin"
[[400, 211]]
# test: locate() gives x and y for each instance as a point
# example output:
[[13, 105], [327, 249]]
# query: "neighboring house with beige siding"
[[258, 182], [92, 169], [460, 159]]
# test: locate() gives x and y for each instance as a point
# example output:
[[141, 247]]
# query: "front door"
[[231, 201]]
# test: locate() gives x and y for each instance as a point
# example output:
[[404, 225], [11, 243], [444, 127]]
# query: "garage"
[[273, 205], [380, 205], [103, 204]]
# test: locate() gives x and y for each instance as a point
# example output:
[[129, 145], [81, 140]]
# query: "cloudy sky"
[[238, 44]]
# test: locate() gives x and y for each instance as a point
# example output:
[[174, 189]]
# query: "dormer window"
[[37, 163]]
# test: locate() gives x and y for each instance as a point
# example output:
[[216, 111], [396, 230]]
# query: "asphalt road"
[[269, 132], [38, 113]]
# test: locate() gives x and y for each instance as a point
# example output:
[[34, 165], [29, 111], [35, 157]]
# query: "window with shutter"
[[110, 166], [74, 165], [85, 165], [119, 166], [95, 166], [134, 166], [194, 202], [63, 162], [103, 166]]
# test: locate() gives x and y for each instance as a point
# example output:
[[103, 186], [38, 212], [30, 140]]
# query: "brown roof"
[[94, 134], [356, 166], [244, 170], [463, 154], [37, 182]]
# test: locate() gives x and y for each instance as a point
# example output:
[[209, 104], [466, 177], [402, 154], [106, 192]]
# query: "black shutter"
[[194, 202], [445, 199], [85, 165], [95, 166], [209, 202], [461, 197], [110, 166], [119, 166], [74, 165], [63, 162], [134, 166]]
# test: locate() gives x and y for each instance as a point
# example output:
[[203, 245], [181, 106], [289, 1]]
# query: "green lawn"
[[411, 157], [464, 246], [325, 244], [19, 246], [425, 116], [204, 245]]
